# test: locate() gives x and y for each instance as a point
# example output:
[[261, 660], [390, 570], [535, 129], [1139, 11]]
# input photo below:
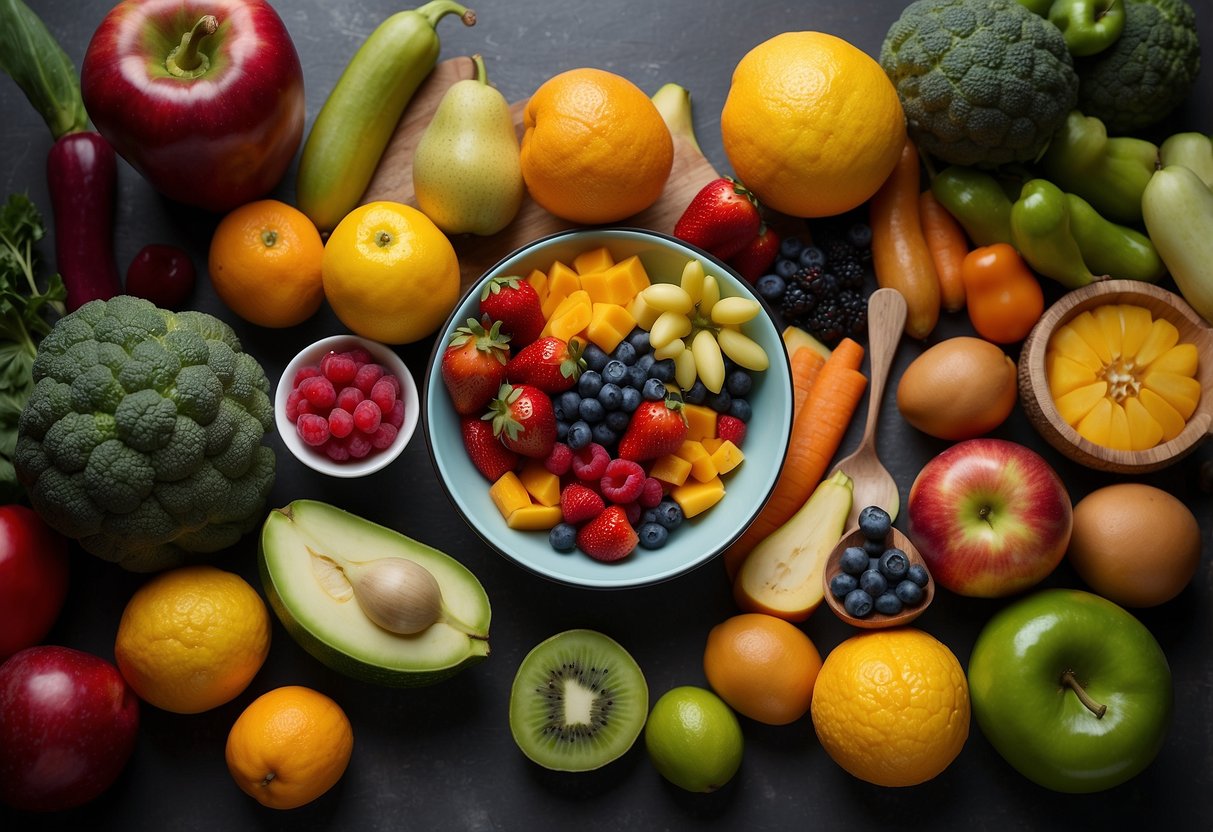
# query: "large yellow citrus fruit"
[[892, 706], [289, 746], [390, 274], [192, 638], [264, 263], [762, 666], [594, 147], [811, 125]]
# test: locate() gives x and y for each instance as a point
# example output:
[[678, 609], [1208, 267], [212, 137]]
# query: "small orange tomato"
[[1003, 297]]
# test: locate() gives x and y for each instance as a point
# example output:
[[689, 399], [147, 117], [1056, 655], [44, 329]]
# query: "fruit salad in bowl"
[[608, 407]]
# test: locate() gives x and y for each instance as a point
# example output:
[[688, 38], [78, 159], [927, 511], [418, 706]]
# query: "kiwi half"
[[578, 702]]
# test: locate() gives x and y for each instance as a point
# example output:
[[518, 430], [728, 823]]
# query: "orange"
[[390, 274], [192, 638], [594, 147], [812, 125], [892, 706], [265, 264], [763, 666], [289, 746]]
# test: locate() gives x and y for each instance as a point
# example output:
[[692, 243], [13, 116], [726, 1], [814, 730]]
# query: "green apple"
[[1072, 690]]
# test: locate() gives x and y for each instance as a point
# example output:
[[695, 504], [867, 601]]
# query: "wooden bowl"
[[876, 620], [1038, 403]]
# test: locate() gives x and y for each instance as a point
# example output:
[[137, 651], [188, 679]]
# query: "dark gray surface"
[[442, 757]]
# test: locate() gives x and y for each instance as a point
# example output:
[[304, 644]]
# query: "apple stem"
[[185, 61], [1071, 681]]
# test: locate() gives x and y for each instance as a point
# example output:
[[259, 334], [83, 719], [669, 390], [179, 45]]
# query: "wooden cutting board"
[[393, 180]]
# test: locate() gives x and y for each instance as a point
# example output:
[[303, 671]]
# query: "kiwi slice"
[[578, 702]]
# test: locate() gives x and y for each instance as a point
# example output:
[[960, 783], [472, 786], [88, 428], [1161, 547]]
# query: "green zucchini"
[[358, 118], [1177, 207]]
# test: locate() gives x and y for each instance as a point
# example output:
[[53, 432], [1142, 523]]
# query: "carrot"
[[900, 256], [817, 432], [806, 364], [948, 244]]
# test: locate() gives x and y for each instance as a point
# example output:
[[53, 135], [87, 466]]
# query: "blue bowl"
[[698, 539]]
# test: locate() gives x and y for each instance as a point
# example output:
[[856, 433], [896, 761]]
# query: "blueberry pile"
[[875, 577], [614, 384], [819, 285]]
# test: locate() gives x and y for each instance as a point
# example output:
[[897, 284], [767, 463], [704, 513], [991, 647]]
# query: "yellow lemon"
[[390, 274], [192, 638]]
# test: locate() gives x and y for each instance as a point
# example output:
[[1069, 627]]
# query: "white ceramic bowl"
[[698, 539], [374, 461]]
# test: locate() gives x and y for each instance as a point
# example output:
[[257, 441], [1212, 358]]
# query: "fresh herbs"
[[27, 312]]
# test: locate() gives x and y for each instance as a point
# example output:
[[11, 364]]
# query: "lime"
[[694, 739]]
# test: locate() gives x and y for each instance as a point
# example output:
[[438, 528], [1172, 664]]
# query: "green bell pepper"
[[977, 202], [1040, 226], [1112, 250], [1110, 173], [1194, 151]]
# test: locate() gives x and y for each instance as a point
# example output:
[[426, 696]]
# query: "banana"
[[667, 327], [666, 297], [692, 280], [735, 311], [709, 363], [742, 349], [684, 369]]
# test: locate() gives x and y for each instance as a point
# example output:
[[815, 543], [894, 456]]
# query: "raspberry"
[[384, 392], [579, 504], [360, 355], [559, 460], [623, 481], [367, 416], [311, 371], [590, 463], [341, 422], [348, 398], [383, 436], [651, 494], [292, 404], [396, 417], [366, 377], [304, 406], [336, 450], [319, 391], [358, 444], [313, 429], [338, 368], [730, 428]]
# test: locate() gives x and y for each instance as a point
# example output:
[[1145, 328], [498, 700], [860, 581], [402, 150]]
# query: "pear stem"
[[1071, 681], [482, 75], [185, 61]]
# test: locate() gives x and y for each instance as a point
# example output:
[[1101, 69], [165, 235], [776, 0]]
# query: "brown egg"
[[1134, 544], [958, 389]]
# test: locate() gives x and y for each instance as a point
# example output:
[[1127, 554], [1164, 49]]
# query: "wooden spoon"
[[874, 485], [876, 620]]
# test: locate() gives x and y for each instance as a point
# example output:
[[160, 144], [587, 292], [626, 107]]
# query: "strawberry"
[[549, 364], [514, 302], [721, 219], [473, 366], [730, 428], [656, 429], [609, 536], [579, 504], [753, 261], [523, 419], [490, 457]]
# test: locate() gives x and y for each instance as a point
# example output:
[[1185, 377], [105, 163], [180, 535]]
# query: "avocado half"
[[299, 548]]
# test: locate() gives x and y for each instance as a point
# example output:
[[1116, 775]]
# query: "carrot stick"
[[806, 364], [816, 434], [948, 244]]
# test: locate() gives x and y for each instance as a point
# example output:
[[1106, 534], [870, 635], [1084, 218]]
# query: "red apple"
[[202, 97], [33, 578], [990, 517], [68, 722]]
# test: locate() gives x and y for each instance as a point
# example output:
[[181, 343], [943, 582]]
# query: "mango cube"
[[570, 317], [701, 421], [562, 282], [509, 494], [609, 324], [539, 282], [533, 518], [671, 469], [540, 483], [697, 497], [693, 452], [711, 443], [632, 272], [726, 457], [594, 260]]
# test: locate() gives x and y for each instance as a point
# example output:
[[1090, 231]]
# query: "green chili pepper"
[[1109, 173], [1112, 250], [1040, 225], [977, 202]]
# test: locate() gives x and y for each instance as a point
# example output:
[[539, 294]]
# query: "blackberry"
[[824, 285], [795, 301], [850, 274], [826, 321], [853, 307]]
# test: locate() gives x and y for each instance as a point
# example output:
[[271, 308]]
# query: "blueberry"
[[669, 514], [645, 362], [568, 403], [653, 390], [789, 247], [595, 358], [639, 339], [910, 593], [874, 522], [698, 394], [873, 582], [611, 396], [860, 235], [662, 370], [770, 286], [631, 399], [626, 353], [649, 516], [637, 376], [874, 564], [603, 435], [842, 585], [591, 411], [615, 371], [563, 537], [918, 574], [653, 535], [875, 548], [787, 268], [811, 256], [858, 603], [740, 409], [854, 561], [720, 402], [589, 383], [579, 434], [562, 430], [894, 564], [738, 383], [617, 420], [888, 603]]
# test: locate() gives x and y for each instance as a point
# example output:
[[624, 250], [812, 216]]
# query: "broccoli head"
[[142, 437], [1147, 72], [982, 82]]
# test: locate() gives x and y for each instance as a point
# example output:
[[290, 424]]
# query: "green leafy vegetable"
[[30, 54], [24, 308]]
